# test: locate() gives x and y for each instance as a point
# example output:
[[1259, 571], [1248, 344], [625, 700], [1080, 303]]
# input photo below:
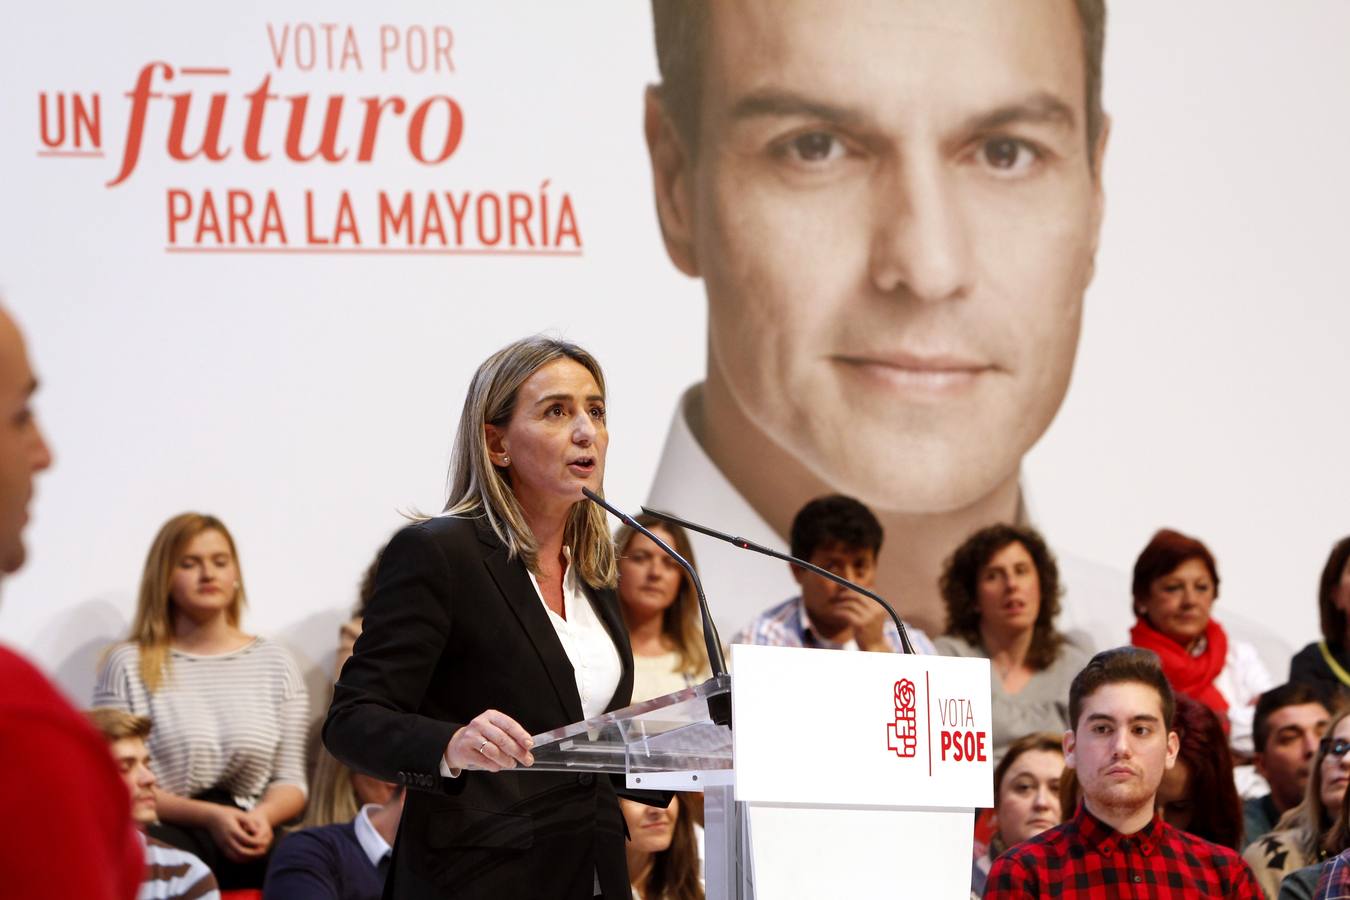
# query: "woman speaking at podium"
[[491, 622]]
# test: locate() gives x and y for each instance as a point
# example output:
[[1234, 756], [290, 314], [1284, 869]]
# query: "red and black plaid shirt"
[[1086, 858]]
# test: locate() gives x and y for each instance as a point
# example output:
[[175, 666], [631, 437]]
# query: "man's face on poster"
[[894, 209]]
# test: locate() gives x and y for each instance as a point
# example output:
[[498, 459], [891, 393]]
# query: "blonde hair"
[[478, 487], [332, 797], [681, 622], [1309, 823], [118, 725], [152, 629]]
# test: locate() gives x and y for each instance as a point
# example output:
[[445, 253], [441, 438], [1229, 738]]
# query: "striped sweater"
[[173, 874], [235, 721]]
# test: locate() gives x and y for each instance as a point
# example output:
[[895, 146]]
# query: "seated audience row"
[[229, 708], [230, 780], [170, 873], [1300, 836], [1120, 745]]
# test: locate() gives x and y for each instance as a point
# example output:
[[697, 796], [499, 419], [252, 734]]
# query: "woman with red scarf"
[[1175, 586]]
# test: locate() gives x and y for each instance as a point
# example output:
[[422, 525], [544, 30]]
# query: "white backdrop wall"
[[307, 397]]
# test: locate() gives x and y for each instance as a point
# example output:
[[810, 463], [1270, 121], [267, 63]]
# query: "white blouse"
[[595, 660]]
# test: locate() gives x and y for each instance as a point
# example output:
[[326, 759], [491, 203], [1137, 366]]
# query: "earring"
[[506, 460]]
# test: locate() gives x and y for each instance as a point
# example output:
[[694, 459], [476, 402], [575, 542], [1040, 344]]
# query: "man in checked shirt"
[[1116, 845]]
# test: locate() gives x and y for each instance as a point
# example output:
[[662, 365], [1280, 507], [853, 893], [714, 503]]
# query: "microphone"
[[710, 636], [745, 544]]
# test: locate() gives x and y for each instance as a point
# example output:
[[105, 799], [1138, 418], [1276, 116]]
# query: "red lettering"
[[239, 205], [453, 129], [210, 145], [327, 144], [346, 221], [140, 97], [271, 224], [60, 137], [278, 47], [375, 106], [396, 222], [85, 121], [431, 221], [310, 236], [389, 41], [208, 221], [518, 212], [180, 207]]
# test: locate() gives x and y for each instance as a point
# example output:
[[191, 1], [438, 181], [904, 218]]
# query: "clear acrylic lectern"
[[668, 743]]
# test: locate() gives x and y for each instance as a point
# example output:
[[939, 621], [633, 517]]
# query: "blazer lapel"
[[514, 582]]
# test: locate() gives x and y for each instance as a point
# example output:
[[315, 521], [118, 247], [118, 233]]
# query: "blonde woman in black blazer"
[[469, 646]]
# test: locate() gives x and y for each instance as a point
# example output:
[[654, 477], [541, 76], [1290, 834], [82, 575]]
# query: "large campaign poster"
[[257, 253]]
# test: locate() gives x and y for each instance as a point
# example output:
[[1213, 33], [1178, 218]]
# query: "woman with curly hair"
[[1001, 589]]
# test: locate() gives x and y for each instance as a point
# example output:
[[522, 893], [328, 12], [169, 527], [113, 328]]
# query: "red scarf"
[[1190, 675]]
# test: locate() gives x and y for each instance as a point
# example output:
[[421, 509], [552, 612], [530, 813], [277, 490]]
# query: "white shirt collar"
[[372, 844], [739, 585]]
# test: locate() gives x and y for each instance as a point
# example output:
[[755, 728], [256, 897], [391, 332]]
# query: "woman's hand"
[[233, 831], [255, 822], [491, 742]]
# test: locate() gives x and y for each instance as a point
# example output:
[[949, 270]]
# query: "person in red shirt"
[[1116, 845], [75, 837]]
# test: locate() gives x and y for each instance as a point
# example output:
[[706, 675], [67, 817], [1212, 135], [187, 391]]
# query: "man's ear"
[[1259, 764], [798, 573], [1173, 748], [672, 183], [1069, 742]]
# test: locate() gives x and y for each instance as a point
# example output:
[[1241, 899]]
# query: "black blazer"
[[455, 628]]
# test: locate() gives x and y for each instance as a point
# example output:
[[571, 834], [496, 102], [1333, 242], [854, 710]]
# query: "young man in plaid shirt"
[[1116, 845]]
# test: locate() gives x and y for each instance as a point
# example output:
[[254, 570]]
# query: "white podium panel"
[[834, 728], [872, 853]]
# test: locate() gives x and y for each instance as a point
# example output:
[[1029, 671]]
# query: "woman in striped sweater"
[[229, 708]]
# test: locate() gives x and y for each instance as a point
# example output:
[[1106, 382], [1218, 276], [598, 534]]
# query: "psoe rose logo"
[[902, 733]]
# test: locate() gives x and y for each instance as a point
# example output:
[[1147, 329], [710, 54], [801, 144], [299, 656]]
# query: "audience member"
[[1290, 720], [1175, 585], [229, 708], [660, 608], [346, 860], [1121, 708], [336, 793], [1300, 835], [170, 873], [1198, 793], [1327, 662], [842, 536], [663, 861], [1026, 798], [60, 788], [1329, 880], [1001, 588], [350, 630]]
